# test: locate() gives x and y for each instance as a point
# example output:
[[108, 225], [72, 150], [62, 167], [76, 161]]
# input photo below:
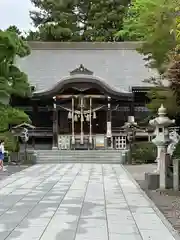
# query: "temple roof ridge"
[[126, 45]]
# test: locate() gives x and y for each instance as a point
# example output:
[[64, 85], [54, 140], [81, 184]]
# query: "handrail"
[[41, 129], [116, 130]]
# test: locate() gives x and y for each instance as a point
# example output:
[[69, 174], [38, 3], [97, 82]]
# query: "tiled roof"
[[118, 64]]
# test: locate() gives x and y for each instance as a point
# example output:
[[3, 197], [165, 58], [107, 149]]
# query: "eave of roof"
[[82, 78], [34, 45]]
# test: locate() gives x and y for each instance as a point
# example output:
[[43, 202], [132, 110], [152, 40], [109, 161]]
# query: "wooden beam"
[[76, 96]]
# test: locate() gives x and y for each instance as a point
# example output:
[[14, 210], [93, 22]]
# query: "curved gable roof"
[[117, 63], [83, 75]]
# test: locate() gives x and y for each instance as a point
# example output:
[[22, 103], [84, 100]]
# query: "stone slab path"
[[77, 202]]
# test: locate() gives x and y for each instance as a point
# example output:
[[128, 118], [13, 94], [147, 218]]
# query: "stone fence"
[[27, 158]]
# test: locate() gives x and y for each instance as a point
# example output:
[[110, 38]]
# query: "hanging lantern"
[[94, 115], [82, 118], [75, 118], [69, 115], [87, 117]]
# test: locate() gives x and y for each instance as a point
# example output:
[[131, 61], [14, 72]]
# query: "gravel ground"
[[168, 201]]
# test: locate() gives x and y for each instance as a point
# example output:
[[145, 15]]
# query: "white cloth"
[[2, 148]]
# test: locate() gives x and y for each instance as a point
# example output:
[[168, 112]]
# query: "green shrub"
[[10, 141], [6, 157], [143, 152]]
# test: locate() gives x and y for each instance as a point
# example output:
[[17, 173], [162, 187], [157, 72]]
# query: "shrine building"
[[83, 93]]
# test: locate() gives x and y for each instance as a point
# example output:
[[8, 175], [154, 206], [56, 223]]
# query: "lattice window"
[[120, 142], [64, 142]]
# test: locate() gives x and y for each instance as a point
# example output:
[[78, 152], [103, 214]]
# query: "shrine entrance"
[[86, 119], [87, 112]]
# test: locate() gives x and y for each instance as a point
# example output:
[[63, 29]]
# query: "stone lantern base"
[[163, 179], [152, 180]]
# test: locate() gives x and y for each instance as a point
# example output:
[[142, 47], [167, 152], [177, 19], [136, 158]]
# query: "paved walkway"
[[76, 202]]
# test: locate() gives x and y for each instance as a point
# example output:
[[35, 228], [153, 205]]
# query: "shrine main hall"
[[83, 93]]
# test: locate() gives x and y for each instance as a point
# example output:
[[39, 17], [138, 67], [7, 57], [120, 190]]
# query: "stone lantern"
[[130, 127], [162, 139]]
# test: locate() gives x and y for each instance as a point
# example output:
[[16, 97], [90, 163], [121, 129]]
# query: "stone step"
[[90, 162], [65, 156], [79, 152], [80, 159], [83, 158], [85, 155], [80, 156], [94, 162], [85, 150], [42, 161], [72, 154]]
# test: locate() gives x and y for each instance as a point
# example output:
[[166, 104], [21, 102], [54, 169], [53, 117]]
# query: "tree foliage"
[[11, 143], [166, 97], [15, 29], [176, 30], [151, 22], [13, 82], [77, 20], [173, 70], [155, 24], [12, 79]]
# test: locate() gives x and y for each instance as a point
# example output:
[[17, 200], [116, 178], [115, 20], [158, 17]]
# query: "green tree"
[[56, 20], [77, 20], [33, 36], [154, 23], [13, 82], [166, 97], [100, 20], [151, 22], [173, 74], [14, 29]]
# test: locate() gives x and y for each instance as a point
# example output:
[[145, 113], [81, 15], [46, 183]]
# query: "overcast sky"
[[15, 12]]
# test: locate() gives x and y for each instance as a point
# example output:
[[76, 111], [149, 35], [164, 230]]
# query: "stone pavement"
[[11, 169], [77, 202]]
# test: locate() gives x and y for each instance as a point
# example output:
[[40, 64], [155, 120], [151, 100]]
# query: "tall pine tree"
[[56, 20], [101, 19], [77, 20]]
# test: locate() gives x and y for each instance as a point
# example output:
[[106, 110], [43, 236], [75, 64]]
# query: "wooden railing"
[[48, 131], [41, 131]]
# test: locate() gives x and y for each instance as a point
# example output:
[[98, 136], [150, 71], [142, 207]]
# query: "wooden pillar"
[[109, 130], [55, 125], [34, 122], [73, 136], [131, 108], [90, 120], [33, 142], [82, 122], [34, 113]]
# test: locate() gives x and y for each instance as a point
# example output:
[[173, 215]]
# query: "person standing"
[[2, 155]]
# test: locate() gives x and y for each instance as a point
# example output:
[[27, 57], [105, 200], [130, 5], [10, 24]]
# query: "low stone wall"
[[28, 158]]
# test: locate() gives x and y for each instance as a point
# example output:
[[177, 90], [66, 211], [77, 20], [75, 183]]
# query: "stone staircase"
[[81, 156]]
